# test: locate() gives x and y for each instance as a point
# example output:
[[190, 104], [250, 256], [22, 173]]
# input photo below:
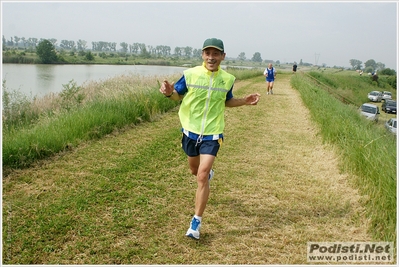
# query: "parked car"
[[391, 125], [386, 95], [389, 106], [370, 111], [375, 96]]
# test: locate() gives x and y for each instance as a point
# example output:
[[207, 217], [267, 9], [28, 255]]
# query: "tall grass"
[[38, 128], [17, 110], [366, 150], [242, 74], [353, 86], [16, 57], [79, 114]]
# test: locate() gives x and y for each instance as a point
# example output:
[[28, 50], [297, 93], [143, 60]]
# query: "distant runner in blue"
[[270, 73]]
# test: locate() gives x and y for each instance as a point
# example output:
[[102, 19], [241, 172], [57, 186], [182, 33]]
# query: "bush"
[[89, 56], [46, 52], [391, 80], [388, 71], [71, 96]]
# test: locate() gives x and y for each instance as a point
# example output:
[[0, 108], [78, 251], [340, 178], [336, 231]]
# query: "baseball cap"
[[213, 42]]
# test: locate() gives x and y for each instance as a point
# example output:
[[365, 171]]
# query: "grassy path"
[[128, 198]]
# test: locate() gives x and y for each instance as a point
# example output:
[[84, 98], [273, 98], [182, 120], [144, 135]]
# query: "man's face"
[[212, 58]]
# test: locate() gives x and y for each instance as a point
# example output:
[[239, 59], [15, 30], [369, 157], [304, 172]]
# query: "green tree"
[[178, 51], [388, 71], [257, 57], [356, 64], [188, 51], [368, 69], [371, 63], [4, 43], [89, 56], [144, 53], [380, 66], [197, 53], [81, 44], [241, 56], [124, 47], [46, 52], [16, 39]]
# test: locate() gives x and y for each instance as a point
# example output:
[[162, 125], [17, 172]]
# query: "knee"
[[202, 177]]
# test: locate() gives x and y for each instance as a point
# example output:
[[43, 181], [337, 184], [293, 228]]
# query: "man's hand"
[[252, 99], [166, 88]]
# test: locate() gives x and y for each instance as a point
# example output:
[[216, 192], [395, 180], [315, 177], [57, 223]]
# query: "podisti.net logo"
[[350, 252]]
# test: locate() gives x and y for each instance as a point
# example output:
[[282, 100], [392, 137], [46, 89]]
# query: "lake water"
[[39, 80]]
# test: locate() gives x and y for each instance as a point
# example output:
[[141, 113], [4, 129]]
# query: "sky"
[[316, 32]]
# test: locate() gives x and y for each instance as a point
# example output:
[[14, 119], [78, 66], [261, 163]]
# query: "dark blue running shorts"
[[192, 149]]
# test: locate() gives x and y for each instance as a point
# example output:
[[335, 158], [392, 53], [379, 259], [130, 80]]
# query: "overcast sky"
[[316, 32]]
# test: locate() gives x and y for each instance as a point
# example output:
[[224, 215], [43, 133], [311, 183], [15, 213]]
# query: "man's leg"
[[201, 166], [194, 163], [271, 87], [202, 194]]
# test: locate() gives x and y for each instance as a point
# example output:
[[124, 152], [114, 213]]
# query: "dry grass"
[[128, 198], [284, 186]]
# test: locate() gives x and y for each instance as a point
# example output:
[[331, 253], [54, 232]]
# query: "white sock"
[[198, 217]]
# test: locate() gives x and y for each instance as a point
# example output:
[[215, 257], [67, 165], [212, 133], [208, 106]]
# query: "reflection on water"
[[44, 73], [39, 80], [44, 79]]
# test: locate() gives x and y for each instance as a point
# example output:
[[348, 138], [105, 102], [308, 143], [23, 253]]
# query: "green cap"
[[215, 43]]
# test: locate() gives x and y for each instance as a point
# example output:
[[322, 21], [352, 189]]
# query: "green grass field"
[[101, 178]]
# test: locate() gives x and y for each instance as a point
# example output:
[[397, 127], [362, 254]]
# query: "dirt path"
[[276, 187], [283, 186]]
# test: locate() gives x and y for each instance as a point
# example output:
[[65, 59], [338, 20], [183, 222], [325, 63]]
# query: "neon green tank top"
[[202, 108]]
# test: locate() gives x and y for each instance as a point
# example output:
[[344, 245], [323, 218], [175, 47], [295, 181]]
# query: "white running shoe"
[[193, 231], [211, 174]]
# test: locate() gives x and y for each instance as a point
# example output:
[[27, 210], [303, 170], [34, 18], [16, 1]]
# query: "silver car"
[[386, 95], [370, 111], [391, 125], [375, 96]]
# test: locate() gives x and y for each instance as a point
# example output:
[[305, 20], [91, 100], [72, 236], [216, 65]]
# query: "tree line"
[[101, 46], [147, 51], [371, 66]]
